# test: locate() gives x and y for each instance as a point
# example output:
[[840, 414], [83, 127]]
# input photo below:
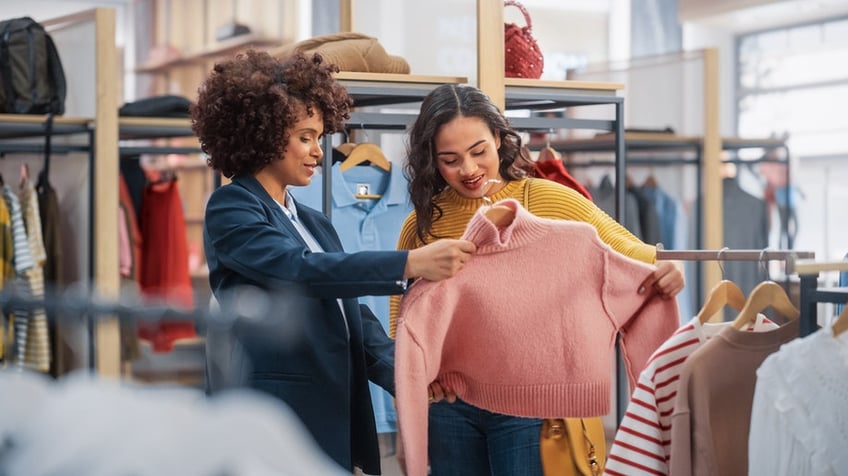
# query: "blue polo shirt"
[[366, 225]]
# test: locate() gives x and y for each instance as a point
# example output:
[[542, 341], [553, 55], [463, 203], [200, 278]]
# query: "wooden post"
[[490, 50], [712, 186], [106, 272], [345, 15]]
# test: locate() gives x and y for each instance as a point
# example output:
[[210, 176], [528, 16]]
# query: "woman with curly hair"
[[461, 148], [260, 121]]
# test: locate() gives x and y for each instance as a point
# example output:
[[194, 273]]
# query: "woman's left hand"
[[667, 280]]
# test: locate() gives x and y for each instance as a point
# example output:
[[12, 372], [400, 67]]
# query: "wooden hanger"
[[547, 154], [840, 325], [346, 148], [725, 293], [766, 294], [366, 152], [500, 215]]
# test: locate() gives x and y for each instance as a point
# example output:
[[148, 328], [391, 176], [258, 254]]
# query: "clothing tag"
[[363, 189]]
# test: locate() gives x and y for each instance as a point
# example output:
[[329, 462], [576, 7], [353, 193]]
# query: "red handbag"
[[522, 58]]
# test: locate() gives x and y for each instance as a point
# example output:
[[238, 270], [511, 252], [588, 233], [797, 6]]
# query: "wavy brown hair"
[[440, 106], [247, 104]]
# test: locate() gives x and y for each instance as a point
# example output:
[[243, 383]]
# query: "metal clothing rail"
[[797, 262], [734, 255], [811, 294]]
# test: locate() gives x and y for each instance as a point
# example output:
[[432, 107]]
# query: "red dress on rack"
[[164, 273]]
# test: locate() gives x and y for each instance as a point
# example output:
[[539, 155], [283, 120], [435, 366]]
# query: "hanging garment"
[[366, 225], [23, 263], [649, 221], [843, 282], [712, 410], [164, 269], [674, 235], [449, 331], [604, 197], [746, 227], [7, 274], [38, 335], [555, 170], [131, 260], [49, 213], [798, 419], [643, 439]]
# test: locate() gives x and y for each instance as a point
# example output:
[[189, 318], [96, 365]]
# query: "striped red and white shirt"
[[643, 442]]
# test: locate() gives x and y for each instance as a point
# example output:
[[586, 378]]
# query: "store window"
[[793, 82]]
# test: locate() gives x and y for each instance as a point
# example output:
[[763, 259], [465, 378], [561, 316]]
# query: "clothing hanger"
[[344, 148], [500, 215], [548, 153], [725, 293], [651, 182], [24, 174], [366, 152], [766, 294], [840, 325]]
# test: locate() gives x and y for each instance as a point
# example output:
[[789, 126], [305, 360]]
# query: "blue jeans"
[[468, 441]]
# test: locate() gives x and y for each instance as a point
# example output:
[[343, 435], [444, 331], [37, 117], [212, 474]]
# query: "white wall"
[[697, 37]]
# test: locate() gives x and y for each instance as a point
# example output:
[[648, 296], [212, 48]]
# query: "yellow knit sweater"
[[542, 198]]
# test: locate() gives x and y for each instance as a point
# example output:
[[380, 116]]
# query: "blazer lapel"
[[320, 232], [253, 185]]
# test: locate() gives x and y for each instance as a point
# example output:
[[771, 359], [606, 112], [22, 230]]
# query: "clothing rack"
[[794, 265], [811, 294]]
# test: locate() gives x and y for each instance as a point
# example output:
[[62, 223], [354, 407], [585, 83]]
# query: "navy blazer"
[[305, 354]]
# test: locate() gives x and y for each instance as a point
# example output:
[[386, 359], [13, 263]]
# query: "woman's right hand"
[[439, 260]]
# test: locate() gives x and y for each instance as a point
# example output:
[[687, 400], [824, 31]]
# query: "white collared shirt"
[[290, 211]]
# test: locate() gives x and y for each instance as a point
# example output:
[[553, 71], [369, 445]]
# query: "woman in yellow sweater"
[[461, 148]]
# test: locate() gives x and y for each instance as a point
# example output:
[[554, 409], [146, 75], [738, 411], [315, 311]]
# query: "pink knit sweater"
[[527, 328]]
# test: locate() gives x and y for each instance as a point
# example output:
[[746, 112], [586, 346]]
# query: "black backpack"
[[31, 77]]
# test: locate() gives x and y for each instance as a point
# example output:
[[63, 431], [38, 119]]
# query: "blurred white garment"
[[86, 425]]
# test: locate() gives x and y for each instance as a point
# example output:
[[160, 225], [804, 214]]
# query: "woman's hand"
[[437, 393], [439, 260], [667, 280]]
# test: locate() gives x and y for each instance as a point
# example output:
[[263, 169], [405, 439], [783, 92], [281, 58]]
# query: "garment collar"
[[344, 194]]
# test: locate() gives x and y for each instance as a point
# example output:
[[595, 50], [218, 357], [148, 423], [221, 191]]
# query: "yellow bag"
[[573, 446]]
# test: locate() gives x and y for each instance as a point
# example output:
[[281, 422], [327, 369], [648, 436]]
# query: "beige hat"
[[350, 52]]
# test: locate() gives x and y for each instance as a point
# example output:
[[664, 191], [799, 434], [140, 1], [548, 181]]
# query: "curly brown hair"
[[248, 103]]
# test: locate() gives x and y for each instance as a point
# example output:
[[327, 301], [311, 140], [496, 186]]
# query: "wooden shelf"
[[222, 48], [537, 83], [18, 126], [381, 89], [154, 127], [399, 78]]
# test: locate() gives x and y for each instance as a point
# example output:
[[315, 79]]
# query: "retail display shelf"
[[16, 126], [379, 89], [153, 127]]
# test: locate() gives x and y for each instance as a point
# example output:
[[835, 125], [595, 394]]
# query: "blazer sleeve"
[[644, 321], [379, 351], [246, 241]]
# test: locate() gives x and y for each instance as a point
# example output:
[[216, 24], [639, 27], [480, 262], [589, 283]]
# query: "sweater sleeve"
[[644, 321], [638, 444], [411, 400], [680, 462], [551, 200], [418, 348]]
